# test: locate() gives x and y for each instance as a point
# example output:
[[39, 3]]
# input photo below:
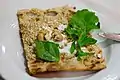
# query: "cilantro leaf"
[[47, 51]]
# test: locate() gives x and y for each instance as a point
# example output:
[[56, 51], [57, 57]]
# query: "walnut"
[[48, 35], [57, 36], [41, 35]]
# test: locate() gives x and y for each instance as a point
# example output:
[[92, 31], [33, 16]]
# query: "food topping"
[[57, 36], [48, 51], [72, 38], [61, 27], [41, 35]]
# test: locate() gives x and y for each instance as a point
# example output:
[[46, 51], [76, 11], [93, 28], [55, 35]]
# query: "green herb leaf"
[[84, 20], [48, 51], [98, 24], [84, 40], [79, 26], [72, 47], [88, 41], [80, 54]]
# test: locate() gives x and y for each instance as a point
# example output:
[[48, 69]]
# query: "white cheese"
[[84, 49], [66, 49], [61, 27]]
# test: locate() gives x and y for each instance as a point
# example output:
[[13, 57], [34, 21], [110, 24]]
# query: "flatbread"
[[32, 21]]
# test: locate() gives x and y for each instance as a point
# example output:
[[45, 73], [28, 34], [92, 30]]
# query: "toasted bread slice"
[[32, 21]]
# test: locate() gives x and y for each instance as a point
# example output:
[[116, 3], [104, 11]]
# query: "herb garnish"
[[48, 51], [79, 26]]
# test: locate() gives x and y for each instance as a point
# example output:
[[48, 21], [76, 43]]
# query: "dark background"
[[1, 78]]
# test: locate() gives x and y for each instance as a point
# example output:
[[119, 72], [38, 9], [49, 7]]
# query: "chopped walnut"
[[41, 35], [57, 36]]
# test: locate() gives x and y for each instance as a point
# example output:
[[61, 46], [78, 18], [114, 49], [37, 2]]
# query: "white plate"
[[11, 59]]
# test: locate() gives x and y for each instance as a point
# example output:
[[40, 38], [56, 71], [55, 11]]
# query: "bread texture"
[[32, 21]]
